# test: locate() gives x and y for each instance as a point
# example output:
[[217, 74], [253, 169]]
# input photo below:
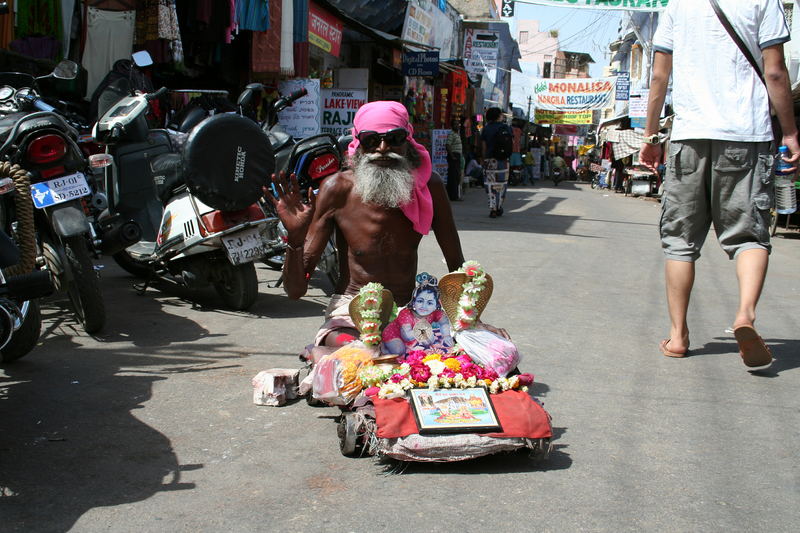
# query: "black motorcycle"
[[41, 141], [20, 283]]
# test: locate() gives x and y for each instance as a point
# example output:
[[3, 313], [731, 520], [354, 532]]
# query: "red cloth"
[[518, 414]]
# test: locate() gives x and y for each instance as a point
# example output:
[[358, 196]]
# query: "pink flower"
[[447, 373], [525, 379], [415, 357], [372, 391], [397, 378], [420, 373], [471, 270], [488, 373]]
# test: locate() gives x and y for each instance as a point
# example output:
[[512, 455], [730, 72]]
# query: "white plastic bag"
[[489, 350]]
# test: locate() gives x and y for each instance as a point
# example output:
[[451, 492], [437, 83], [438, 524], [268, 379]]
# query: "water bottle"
[[785, 195]]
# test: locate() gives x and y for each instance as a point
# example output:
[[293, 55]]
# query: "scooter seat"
[[167, 173]]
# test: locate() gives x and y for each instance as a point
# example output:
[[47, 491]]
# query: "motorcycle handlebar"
[[296, 95], [157, 94]]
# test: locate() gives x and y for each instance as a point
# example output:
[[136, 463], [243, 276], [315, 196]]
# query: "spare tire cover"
[[228, 160]]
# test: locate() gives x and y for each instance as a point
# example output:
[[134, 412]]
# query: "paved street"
[[151, 426]]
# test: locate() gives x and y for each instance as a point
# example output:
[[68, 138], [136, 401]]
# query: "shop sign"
[[420, 63], [637, 108], [507, 8], [480, 50], [439, 152], [324, 30], [339, 106], [302, 118], [418, 24], [630, 5], [571, 95], [544, 116], [623, 86]]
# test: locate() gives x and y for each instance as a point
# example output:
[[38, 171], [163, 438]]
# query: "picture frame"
[[454, 411]]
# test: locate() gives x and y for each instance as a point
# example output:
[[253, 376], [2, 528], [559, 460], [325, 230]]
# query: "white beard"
[[385, 186]]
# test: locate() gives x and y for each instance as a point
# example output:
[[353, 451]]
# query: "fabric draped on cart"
[[518, 414]]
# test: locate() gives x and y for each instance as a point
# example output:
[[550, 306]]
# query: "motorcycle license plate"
[[244, 246], [59, 190]]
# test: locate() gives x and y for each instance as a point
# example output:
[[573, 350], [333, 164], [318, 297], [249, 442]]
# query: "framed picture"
[[454, 411]]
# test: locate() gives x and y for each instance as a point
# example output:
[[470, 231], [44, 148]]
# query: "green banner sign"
[[630, 5]]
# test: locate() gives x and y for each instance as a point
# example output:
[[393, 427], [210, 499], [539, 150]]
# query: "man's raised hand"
[[294, 214]]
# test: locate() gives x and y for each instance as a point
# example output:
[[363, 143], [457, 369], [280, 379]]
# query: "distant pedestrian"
[[455, 162], [496, 147], [719, 167]]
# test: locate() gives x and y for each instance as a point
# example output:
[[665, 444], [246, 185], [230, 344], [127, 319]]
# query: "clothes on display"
[[109, 37]]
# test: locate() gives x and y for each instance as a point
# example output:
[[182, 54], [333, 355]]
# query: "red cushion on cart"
[[518, 414]]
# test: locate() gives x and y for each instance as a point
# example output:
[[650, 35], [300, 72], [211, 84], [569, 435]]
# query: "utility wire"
[[571, 37]]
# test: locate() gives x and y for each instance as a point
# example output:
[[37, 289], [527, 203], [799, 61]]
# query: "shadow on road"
[[785, 352]]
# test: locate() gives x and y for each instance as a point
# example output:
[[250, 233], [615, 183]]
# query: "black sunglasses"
[[370, 140]]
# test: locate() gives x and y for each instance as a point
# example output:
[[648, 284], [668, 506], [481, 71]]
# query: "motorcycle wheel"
[[26, 337], [237, 285], [594, 183], [84, 290], [140, 269]]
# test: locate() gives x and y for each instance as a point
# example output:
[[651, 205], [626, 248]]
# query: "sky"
[[579, 30]]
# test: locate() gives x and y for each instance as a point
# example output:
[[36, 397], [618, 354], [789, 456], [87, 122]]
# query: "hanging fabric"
[[287, 38], [7, 26], [300, 38], [67, 11], [109, 37], [252, 15]]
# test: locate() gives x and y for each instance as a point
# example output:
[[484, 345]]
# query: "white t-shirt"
[[716, 94]]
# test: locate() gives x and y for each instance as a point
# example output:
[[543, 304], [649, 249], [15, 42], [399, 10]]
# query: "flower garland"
[[370, 296], [467, 311], [434, 371]]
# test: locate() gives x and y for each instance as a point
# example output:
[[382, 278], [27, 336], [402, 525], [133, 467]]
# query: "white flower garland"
[[467, 312], [370, 296]]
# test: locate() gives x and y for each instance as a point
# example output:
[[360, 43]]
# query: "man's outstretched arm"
[[444, 227]]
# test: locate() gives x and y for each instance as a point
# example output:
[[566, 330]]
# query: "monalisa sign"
[[630, 5], [575, 94]]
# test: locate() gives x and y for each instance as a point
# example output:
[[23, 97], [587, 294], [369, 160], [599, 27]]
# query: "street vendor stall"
[[640, 181]]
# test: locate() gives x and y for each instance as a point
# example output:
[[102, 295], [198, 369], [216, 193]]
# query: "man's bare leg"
[[679, 276], [751, 270]]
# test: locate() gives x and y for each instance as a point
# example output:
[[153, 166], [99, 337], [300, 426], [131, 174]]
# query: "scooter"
[[43, 142], [198, 207]]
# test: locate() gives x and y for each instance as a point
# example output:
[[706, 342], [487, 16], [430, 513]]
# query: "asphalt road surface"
[[151, 427]]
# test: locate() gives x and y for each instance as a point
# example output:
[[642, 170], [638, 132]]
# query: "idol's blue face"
[[425, 303]]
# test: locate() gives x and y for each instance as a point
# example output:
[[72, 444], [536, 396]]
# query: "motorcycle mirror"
[[66, 70], [142, 58]]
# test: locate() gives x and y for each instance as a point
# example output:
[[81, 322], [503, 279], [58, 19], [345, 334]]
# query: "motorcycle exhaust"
[[119, 234], [37, 284]]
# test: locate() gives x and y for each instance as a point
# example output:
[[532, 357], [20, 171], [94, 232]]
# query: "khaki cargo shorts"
[[724, 182]]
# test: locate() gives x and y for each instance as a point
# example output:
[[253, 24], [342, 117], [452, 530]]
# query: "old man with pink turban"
[[378, 209]]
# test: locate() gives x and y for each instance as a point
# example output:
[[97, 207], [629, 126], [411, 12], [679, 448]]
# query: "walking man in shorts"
[[719, 165]]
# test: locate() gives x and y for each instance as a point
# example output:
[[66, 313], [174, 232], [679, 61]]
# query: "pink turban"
[[382, 117]]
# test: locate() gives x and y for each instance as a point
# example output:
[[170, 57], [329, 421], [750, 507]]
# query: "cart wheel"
[[348, 435]]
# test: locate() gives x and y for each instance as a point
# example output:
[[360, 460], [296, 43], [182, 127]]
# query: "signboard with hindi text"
[[339, 106], [574, 94], [629, 5], [324, 30], [544, 116]]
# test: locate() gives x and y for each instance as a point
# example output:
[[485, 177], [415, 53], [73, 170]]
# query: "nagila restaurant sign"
[[324, 30], [572, 95], [631, 5], [544, 116]]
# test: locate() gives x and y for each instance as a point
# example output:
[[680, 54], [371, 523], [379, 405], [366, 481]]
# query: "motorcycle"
[[198, 207], [43, 142], [20, 284], [311, 160]]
